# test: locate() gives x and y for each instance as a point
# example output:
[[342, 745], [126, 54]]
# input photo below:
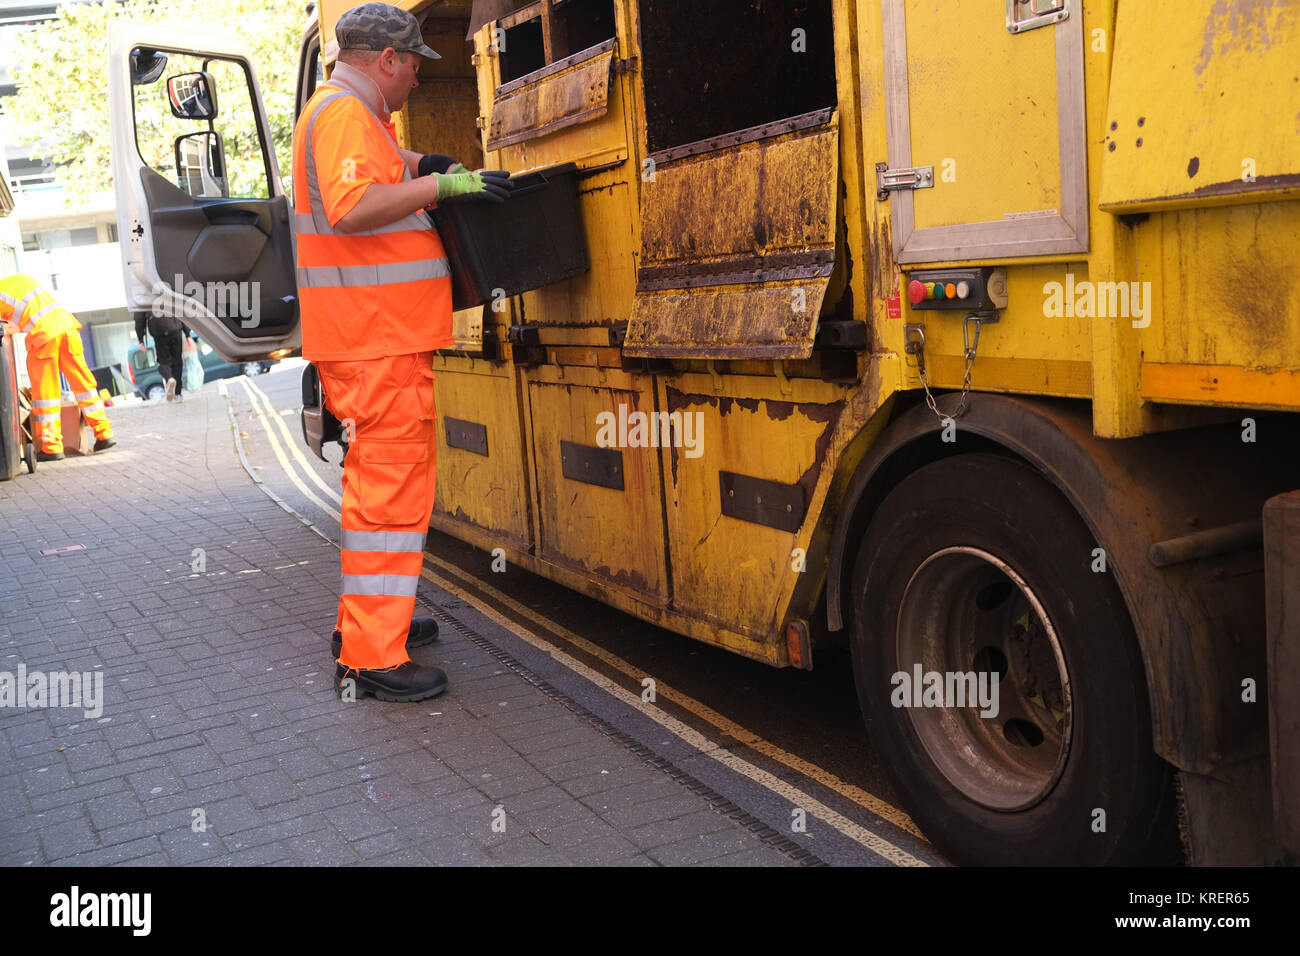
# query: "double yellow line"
[[454, 581]]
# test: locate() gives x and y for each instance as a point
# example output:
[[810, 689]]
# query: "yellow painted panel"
[[1222, 385], [773, 320], [599, 139], [1209, 88], [603, 294], [1225, 285], [488, 492], [986, 100], [575, 95], [610, 534], [726, 569], [760, 218], [758, 198]]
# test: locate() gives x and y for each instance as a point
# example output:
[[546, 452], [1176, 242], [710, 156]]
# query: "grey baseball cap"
[[377, 26]]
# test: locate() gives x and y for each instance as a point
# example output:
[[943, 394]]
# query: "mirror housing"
[[146, 66], [192, 96], [201, 165]]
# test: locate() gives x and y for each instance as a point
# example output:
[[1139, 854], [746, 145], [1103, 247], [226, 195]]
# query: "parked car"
[[142, 368]]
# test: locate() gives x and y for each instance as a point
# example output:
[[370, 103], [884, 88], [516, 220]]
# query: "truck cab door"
[[202, 214]]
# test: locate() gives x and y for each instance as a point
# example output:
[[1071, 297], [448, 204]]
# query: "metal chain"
[[919, 351]]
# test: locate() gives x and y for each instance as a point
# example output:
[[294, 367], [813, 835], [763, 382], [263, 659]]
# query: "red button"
[[916, 292]]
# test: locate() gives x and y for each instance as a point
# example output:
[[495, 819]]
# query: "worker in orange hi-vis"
[[53, 345], [374, 289]]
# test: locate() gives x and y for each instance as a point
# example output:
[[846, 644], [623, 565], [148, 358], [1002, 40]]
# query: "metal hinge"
[[907, 177], [480, 122], [625, 66]]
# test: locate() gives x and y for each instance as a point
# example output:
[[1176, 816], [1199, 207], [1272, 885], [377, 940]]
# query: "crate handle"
[[527, 183]]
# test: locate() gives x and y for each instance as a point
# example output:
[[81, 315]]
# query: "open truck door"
[[202, 215]]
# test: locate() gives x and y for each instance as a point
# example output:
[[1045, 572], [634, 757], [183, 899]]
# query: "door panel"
[[738, 243], [998, 118], [223, 243], [205, 232]]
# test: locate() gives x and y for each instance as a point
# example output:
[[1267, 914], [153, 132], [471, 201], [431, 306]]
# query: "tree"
[[61, 104]]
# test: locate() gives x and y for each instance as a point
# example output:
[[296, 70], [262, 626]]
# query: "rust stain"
[[1232, 187], [1238, 23]]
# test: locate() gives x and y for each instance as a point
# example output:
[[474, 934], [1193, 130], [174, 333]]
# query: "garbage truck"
[[962, 336]]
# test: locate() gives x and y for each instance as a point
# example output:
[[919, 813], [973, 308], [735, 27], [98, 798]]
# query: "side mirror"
[[201, 165], [146, 66], [192, 96]]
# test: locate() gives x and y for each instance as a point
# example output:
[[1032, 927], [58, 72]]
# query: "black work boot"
[[104, 444], [410, 681], [424, 631], [50, 456]]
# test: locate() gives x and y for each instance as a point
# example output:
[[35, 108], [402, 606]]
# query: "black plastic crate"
[[531, 240]]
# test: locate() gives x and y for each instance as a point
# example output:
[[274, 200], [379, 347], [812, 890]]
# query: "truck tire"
[[977, 564]]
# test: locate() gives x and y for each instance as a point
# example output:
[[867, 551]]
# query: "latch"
[[1025, 15], [906, 177]]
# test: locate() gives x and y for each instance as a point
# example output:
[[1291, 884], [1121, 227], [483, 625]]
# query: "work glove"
[[489, 185], [437, 163]]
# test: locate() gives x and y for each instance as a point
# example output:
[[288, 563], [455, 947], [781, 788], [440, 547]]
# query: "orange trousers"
[[65, 353], [387, 410]]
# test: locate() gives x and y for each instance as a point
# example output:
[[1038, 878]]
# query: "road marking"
[[293, 445], [709, 748], [284, 462], [857, 795], [861, 797]]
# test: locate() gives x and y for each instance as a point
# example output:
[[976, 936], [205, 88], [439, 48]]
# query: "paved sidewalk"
[[221, 740]]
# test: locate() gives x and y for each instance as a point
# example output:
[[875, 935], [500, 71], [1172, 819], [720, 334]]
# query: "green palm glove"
[[478, 185]]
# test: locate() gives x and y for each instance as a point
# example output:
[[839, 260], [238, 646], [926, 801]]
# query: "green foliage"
[[61, 106]]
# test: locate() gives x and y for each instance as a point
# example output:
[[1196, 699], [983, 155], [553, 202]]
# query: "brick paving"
[[221, 741]]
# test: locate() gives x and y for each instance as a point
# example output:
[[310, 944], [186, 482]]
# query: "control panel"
[[982, 289]]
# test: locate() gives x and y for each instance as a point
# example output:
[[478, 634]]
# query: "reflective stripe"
[[314, 201], [46, 417], [46, 402], [6, 297], [389, 585], [387, 541], [21, 305], [86, 396], [44, 312], [91, 409], [304, 224], [387, 273]]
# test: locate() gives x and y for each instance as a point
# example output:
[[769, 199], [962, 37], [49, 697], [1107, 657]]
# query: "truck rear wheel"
[[976, 565]]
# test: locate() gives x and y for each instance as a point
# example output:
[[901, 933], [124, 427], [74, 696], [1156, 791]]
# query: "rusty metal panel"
[[738, 243], [566, 93], [1282, 611], [1204, 105]]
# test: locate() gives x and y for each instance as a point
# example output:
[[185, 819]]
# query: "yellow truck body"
[[1126, 174]]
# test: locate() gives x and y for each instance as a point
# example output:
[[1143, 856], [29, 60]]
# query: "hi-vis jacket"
[[363, 295], [28, 307]]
